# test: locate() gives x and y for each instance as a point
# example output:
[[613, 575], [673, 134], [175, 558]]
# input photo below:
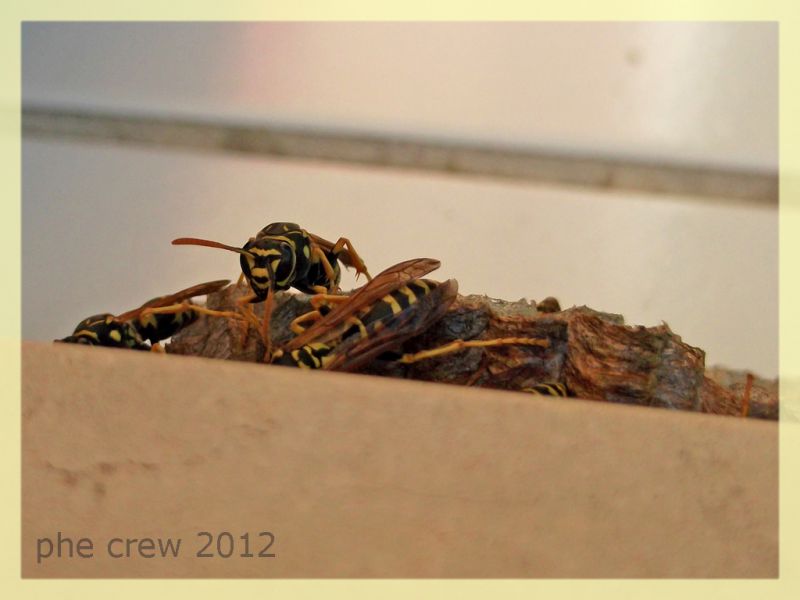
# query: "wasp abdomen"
[[311, 356], [158, 327], [397, 301]]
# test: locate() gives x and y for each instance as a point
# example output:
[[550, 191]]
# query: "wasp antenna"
[[208, 243]]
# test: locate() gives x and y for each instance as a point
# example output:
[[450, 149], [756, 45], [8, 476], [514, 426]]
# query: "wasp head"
[[105, 330], [268, 263]]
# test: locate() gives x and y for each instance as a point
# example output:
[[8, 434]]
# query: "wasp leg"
[[217, 313], [324, 299], [297, 325], [461, 344], [265, 329], [157, 348], [176, 308], [244, 306], [326, 265], [344, 245], [317, 301], [184, 306], [480, 372], [746, 398]]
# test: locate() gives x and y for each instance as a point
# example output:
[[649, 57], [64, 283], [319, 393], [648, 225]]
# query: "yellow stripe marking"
[[87, 333], [297, 361], [280, 238], [408, 292], [392, 303], [362, 330], [264, 251], [148, 320]]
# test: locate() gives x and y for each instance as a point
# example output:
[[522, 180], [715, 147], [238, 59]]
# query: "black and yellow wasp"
[[154, 321], [283, 255], [348, 332]]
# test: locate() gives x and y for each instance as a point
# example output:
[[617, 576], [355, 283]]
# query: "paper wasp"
[[350, 331], [152, 322], [283, 255]]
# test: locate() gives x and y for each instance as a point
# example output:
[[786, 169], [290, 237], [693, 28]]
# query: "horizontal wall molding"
[[397, 153]]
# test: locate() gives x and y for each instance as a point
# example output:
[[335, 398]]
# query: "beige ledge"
[[360, 476]]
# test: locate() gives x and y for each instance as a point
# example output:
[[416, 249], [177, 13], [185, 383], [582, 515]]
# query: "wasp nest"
[[593, 353]]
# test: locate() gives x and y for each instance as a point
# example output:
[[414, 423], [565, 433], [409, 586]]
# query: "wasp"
[[154, 321], [349, 331], [283, 255]]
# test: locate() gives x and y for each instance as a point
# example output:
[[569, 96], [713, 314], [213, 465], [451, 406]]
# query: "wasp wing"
[[201, 289], [384, 283], [356, 351]]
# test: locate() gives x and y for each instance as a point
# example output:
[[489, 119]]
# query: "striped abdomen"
[[385, 322], [310, 356], [375, 316]]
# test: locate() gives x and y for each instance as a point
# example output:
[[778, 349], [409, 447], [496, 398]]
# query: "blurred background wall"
[[629, 167]]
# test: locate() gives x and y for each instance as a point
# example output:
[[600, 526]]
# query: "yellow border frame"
[[10, 238]]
